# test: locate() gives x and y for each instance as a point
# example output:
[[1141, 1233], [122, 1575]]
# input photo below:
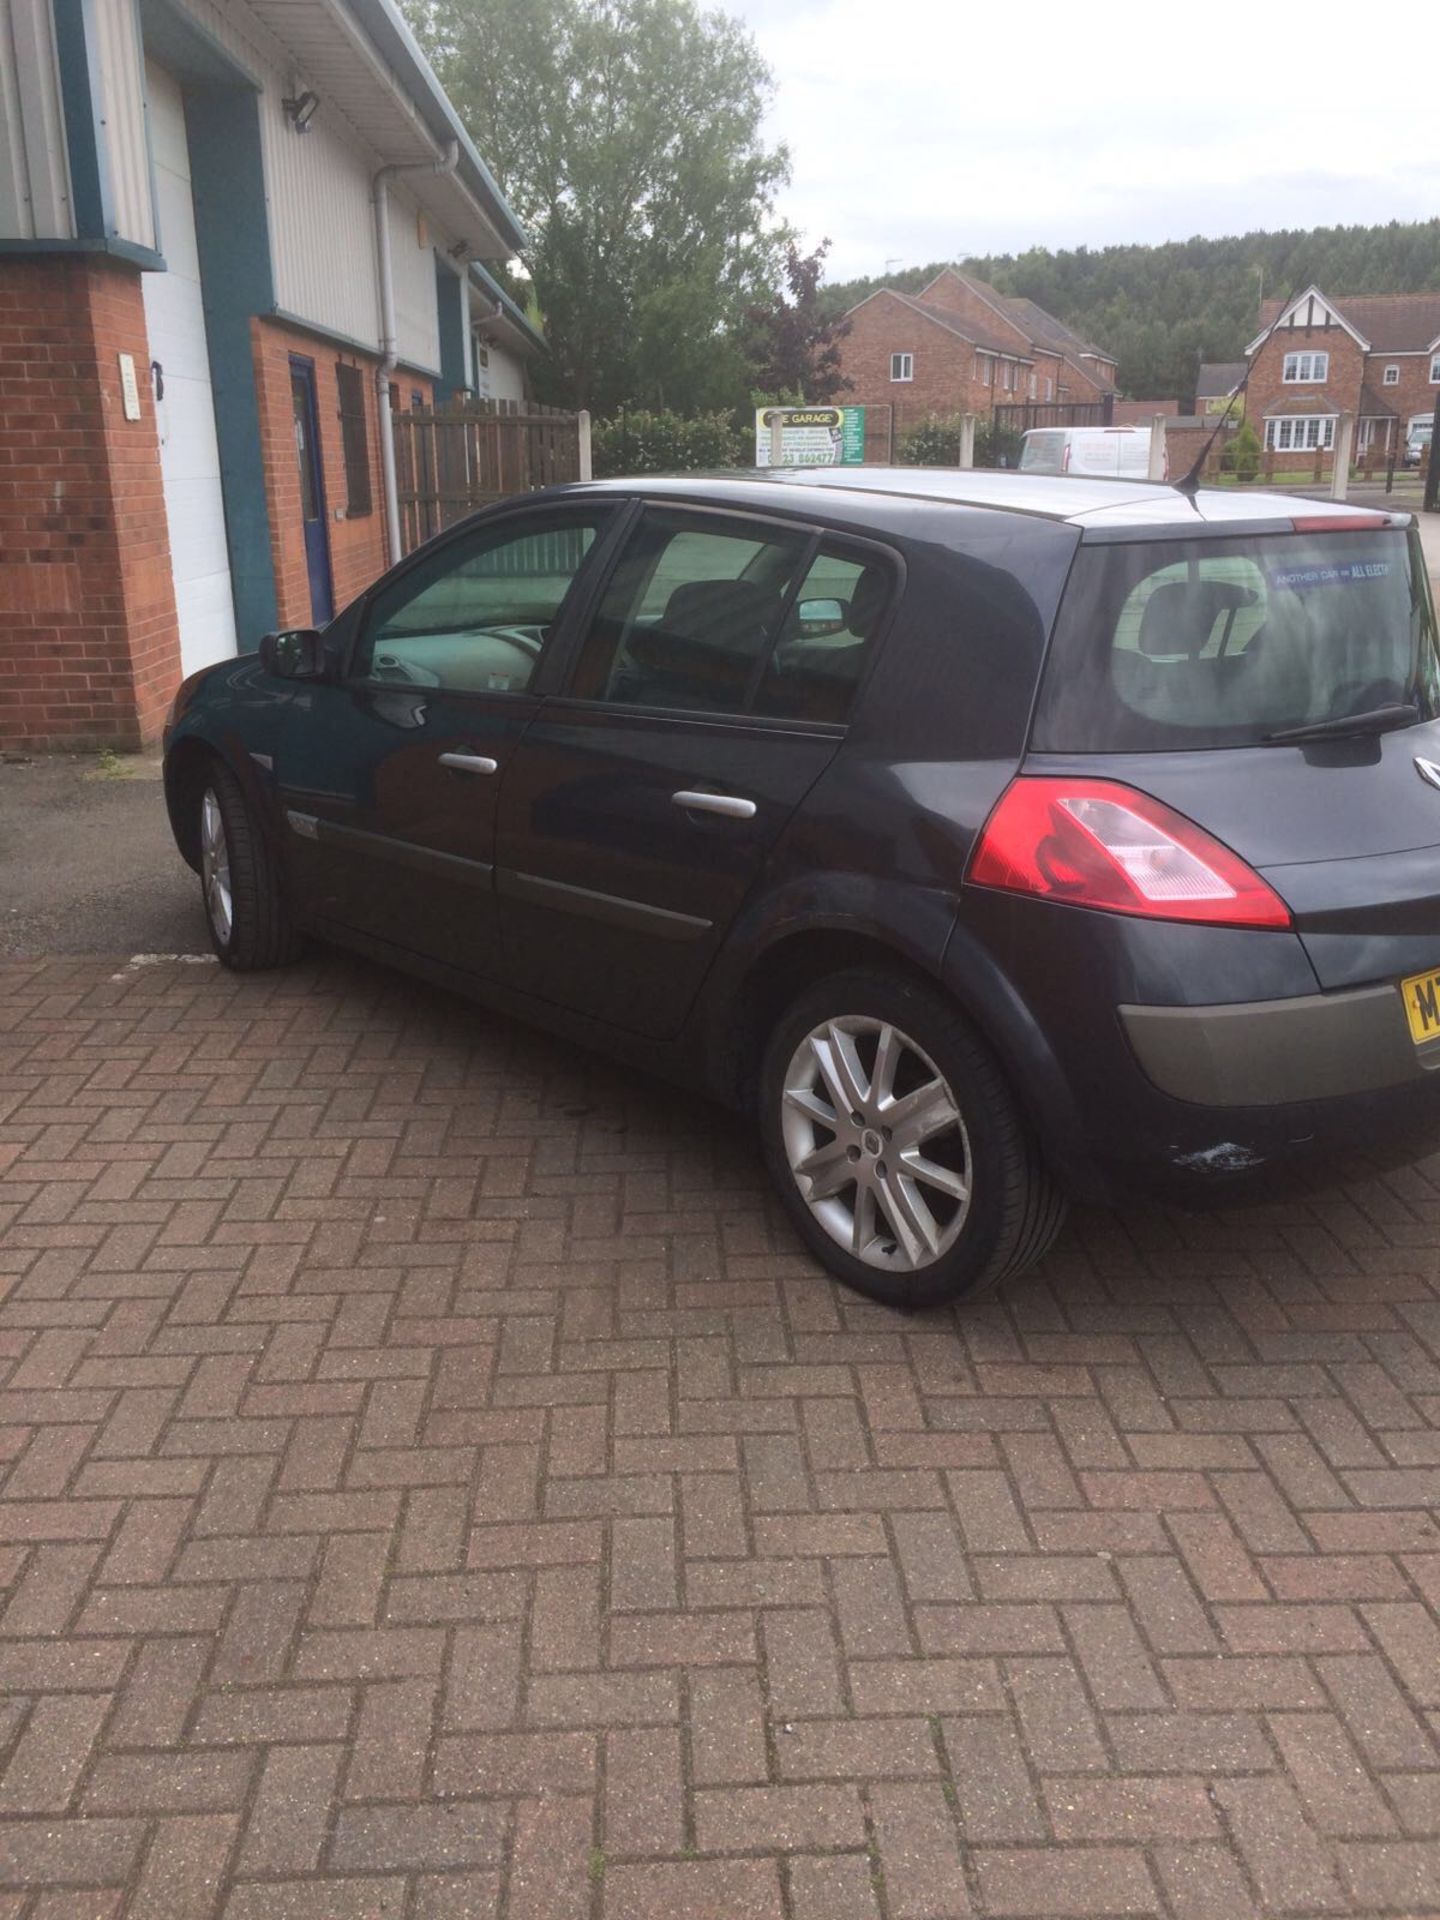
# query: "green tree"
[[627, 135]]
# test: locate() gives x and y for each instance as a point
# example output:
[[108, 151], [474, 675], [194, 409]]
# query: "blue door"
[[312, 489]]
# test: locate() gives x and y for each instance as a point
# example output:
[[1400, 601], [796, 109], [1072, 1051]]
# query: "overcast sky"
[[929, 129]]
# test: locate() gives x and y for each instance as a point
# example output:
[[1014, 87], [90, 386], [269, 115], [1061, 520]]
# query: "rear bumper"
[[1272, 1053], [1258, 1082]]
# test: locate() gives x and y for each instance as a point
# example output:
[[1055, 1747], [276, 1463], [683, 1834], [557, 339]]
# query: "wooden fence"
[[452, 460]]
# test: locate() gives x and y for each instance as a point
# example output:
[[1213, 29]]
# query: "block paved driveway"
[[435, 1485]]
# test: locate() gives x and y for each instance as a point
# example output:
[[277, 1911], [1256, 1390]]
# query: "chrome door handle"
[[730, 805], [470, 762]]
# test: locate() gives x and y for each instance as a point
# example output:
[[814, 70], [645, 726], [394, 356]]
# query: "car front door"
[[710, 691], [391, 785]]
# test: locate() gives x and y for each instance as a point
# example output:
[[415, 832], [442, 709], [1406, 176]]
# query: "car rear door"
[[392, 782], [709, 692]]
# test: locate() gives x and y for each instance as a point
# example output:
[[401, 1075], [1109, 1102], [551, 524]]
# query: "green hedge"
[[668, 443], [936, 443]]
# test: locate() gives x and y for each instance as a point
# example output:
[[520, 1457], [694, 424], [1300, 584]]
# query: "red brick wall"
[[947, 290], [357, 546], [1340, 392], [89, 646], [1413, 395], [944, 380]]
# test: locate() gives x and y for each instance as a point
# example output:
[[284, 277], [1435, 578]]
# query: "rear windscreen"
[[1218, 643]]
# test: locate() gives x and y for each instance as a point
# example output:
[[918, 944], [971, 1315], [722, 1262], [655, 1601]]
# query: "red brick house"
[[1374, 355], [959, 346]]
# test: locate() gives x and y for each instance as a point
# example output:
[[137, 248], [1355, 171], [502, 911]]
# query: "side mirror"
[[819, 617], [298, 653]]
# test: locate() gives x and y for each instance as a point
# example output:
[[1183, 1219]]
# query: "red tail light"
[[1096, 843]]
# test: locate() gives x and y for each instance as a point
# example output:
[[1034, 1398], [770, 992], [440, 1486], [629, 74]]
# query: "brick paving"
[[435, 1485]]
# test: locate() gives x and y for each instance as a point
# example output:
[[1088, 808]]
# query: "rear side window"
[[1219, 643], [733, 617]]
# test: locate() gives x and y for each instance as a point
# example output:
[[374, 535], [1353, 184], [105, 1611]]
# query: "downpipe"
[[444, 163]]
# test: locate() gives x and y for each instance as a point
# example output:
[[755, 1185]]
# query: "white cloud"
[[924, 129]]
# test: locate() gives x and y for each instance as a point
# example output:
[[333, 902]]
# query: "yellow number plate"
[[1421, 994]]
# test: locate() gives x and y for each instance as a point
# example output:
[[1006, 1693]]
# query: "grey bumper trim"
[[1268, 1053]]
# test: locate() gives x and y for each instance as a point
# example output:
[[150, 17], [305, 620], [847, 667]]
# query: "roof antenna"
[[1189, 485]]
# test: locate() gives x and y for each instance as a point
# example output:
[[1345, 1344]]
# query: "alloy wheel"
[[215, 867], [876, 1143]]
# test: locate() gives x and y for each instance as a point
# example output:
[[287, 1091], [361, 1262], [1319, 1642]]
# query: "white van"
[[1115, 452]]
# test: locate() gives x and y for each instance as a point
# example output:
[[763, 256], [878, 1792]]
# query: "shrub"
[[1244, 453], [667, 443], [934, 443]]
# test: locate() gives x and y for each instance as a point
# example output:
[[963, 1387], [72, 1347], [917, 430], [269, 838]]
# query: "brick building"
[[1376, 356], [231, 233], [958, 346]]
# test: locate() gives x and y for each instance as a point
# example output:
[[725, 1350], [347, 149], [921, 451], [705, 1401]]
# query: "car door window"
[[691, 613], [815, 666], [475, 615]]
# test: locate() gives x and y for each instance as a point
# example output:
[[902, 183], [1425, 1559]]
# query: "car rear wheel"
[[897, 1146], [245, 910]]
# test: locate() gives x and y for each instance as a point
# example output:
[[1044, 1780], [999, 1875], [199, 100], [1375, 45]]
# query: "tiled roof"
[[1217, 378], [1391, 322], [962, 329]]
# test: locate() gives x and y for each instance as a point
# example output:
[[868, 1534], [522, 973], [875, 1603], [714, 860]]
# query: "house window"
[[1301, 433], [1392, 376], [1049, 388], [1009, 376], [354, 440], [902, 366], [1435, 371], [1302, 368], [984, 369], [1033, 384]]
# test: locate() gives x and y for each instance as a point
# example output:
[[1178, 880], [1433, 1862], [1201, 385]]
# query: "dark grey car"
[[992, 838]]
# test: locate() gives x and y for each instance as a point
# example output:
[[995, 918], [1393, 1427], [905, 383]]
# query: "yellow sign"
[[1421, 994]]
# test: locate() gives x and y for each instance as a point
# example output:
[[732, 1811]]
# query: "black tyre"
[[897, 1146], [245, 910]]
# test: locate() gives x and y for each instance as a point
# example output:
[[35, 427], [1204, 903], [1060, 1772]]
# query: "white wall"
[[506, 375], [412, 271]]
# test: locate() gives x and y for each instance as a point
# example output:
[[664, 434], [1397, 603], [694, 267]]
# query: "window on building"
[[1301, 433], [1303, 368], [1435, 371], [902, 366], [1009, 371], [985, 369], [1049, 388], [1392, 376], [354, 439], [1033, 385]]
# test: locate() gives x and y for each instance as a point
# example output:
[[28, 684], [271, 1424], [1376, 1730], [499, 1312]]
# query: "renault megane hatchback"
[[991, 838]]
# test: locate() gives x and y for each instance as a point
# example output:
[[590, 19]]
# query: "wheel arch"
[[186, 766]]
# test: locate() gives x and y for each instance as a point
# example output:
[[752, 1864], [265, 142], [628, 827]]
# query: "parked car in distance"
[[1102, 453], [1419, 438], [991, 839]]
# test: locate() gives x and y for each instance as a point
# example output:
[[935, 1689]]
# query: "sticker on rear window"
[[1337, 576]]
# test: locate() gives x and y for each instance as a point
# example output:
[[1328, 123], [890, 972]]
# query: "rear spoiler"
[[1282, 523]]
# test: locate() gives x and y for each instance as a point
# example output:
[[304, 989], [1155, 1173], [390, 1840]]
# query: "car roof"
[[1077, 500]]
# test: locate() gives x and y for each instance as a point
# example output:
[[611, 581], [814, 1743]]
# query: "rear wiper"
[[1374, 720]]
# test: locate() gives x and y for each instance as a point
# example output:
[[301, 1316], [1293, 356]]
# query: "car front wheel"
[[897, 1145], [245, 908]]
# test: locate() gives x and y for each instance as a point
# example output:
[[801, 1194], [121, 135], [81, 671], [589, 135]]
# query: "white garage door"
[[189, 451]]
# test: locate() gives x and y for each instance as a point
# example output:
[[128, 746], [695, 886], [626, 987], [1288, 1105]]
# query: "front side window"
[[475, 615], [1435, 371], [1220, 643], [733, 617], [1392, 376], [1303, 368], [902, 366]]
